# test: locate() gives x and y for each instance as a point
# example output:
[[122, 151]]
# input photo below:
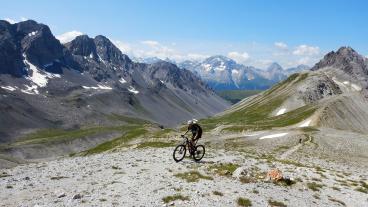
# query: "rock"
[[77, 196], [61, 194], [240, 172]]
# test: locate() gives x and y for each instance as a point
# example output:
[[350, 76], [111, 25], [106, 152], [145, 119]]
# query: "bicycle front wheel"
[[179, 153], [199, 151]]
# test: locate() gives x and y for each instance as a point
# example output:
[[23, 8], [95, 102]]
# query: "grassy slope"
[[255, 114], [235, 96]]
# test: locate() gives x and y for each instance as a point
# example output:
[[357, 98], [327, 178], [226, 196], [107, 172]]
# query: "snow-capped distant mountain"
[[151, 60], [221, 73]]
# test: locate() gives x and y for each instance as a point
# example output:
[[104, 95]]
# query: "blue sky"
[[252, 32]]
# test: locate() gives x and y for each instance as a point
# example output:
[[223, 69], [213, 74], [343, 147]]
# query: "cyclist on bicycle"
[[196, 131]]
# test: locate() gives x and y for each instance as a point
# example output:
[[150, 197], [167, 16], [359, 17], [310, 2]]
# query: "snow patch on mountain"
[[273, 136], [9, 88], [103, 87], [305, 123], [281, 111], [122, 80], [133, 90], [32, 33], [40, 78]]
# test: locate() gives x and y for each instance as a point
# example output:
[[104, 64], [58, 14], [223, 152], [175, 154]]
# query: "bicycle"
[[196, 151]]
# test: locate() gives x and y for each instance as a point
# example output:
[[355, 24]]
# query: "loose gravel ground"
[[147, 177]]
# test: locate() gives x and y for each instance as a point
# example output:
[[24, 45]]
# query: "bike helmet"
[[190, 122]]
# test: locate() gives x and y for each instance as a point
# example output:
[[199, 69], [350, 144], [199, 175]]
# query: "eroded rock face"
[[319, 88], [10, 53]]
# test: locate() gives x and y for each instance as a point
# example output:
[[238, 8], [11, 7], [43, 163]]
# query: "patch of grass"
[[309, 129], [224, 169], [335, 188], [256, 114], [255, 191], [9, 186], [319, 169], [314, 186], [103, 199], [50, 136], [162, 132], [337, 201], [218, 193], [126, 119], [361, 189], [276, 203], [234, 96], [155, 144], [364, 184], [175, 197], [134, 132], [192, 176], [244, 202], [115, 167]]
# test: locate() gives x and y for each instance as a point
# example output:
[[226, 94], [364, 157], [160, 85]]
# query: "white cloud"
[[151, 43], [281, 45], [305, 50], [151, 48], [239, 57], [68, 36], [124, 47], [23, 19]]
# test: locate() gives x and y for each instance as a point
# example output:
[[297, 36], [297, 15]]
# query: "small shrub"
[[255, 191], [168, 199], [218, 193], [276, 203], [314, 186], [361, 189], [192, 176], [337, 201], [224, 169], [244, 202]]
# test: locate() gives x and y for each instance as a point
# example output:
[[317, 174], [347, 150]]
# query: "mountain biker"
[[196, 131]]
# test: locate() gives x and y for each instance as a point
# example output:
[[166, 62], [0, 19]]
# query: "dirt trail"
[[294, 149]]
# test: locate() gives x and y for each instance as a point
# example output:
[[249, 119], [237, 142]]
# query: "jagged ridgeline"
[[88, 87], [333, 95]]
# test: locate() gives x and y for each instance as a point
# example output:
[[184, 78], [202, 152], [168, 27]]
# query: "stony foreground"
[[150, 177]]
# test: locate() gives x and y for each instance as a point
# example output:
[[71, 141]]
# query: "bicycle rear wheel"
[[179, 153], [199, 152]]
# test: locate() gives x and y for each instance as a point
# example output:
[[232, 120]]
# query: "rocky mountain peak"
[[346, 59], [274, 67], [82, 45], [109, 52]]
